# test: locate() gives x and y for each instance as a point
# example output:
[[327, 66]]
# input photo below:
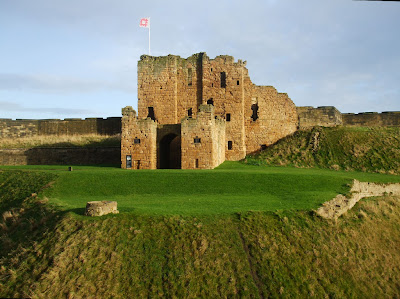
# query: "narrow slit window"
[[238, 82], [190, 74], [223, 80], [197, 163], [228, 117], [229, 145], [254, 108], [190, 112], [151, 113]]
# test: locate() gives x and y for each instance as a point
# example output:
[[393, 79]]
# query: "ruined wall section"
[[325, 116], [72, 126], [269, 116], [203, 140], [171, 85], [223, 85], [138, 141], [372, 119]]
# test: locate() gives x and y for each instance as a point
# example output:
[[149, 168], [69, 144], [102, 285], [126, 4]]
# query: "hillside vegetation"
[[53, 253], [372, 149]]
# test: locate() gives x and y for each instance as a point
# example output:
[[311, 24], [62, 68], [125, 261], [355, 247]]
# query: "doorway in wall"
[[170, 152]]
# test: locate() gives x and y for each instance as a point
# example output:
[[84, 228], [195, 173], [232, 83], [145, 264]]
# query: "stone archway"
[[170, 152]]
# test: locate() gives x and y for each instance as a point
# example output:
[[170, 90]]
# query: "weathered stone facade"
[[325, 116], [329, 116], [372, 119], [71, 126], [203, 110]]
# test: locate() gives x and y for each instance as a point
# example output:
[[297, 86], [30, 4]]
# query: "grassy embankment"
[[51, 253], [91, 140], [347, 148]]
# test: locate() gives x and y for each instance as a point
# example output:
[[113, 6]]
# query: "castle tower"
[[177, 97]]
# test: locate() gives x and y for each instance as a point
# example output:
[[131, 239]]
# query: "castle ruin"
[[195, 113]]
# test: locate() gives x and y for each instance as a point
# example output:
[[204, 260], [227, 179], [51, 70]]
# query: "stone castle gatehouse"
[[195, 113]]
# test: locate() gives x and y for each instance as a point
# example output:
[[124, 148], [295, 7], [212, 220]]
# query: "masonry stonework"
[[73, 126], [222, 115], [138, 141], [325, 116]]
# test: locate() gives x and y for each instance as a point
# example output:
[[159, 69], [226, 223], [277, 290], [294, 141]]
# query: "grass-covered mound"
[[349, 148], [247, 254]]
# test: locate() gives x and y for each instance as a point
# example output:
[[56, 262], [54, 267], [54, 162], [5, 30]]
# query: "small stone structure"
[[100, 208], [336, 207]]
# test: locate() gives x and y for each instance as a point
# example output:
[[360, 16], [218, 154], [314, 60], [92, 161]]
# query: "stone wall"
[[372, 119], [339, 205], [29, 128], [203, 140], [61, 156], [269, 116], [325, 116]]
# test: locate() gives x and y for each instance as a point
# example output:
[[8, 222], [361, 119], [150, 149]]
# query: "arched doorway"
[[170, 152]]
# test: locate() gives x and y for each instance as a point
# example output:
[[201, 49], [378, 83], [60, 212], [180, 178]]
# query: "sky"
[[78, 58]]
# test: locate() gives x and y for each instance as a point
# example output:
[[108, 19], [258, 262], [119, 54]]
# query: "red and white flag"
[[145, 22]]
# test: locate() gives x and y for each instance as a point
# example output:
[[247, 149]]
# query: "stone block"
[[100, 208]]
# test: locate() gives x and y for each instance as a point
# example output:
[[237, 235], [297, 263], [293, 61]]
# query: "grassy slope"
[[248, 254], [361, 148]]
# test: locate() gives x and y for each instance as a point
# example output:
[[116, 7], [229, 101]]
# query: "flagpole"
[[149, 37]]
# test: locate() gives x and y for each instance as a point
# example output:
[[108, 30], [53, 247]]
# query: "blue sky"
[[78, 58]]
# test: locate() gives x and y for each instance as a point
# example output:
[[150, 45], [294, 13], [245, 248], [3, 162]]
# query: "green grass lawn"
[[232, 187]]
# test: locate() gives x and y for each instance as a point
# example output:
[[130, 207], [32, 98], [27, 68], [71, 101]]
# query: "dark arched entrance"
[[170, 152]]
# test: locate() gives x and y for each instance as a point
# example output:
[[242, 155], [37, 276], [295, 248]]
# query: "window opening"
[[136, 141], [229, 145], [210, 102], [254, 116], [197, 140], [223, 80], [151, 113], [128, 161], [228, 117], [238, 82], [190, 74], [197, 163], [190, 112]]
